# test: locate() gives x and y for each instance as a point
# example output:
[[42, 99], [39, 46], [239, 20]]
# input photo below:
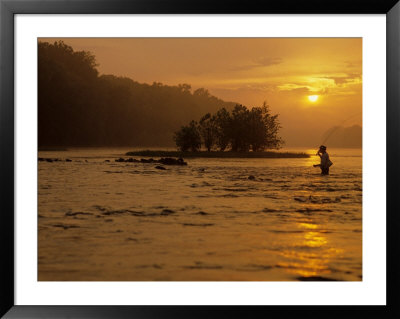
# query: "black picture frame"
[[9, 8]]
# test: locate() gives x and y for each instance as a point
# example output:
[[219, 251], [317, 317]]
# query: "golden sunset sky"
[[284, 72]]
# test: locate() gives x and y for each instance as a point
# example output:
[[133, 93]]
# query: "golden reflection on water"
[[304, 262], [314, 239], [313, 159], [308, 226]]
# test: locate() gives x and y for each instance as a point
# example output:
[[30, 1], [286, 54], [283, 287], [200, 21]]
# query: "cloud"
[[267, 61], [352, 78], [260, 62], [338, 84], [294, 87], [353, 64]]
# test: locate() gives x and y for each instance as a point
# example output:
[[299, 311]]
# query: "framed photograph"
[[167, 159]]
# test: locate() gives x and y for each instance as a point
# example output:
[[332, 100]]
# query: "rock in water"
[[172, 161], [143, 160], [251, 177], [165, 161], [167, 212], [160, 167]]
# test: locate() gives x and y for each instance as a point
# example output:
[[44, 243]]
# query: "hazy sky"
[[284, 72]]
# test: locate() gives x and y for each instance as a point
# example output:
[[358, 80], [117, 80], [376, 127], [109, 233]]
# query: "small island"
[[217, 154], [241, 133]]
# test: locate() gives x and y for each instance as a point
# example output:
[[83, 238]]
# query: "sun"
[[313, 98]]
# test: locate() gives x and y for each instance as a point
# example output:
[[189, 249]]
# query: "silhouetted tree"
[[222, 121], [257, 133], [208, 131], [238, 129], [185, 88], [188, 138], [272, 127], [256, 129], [202, 93]]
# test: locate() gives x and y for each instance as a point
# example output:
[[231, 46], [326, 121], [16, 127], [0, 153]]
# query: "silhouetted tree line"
[[241, 130], [79, 107]]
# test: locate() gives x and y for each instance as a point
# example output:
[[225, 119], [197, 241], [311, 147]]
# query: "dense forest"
[[79, 107]]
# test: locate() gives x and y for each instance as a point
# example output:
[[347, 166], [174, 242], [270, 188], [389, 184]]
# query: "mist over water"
[[213, 220]]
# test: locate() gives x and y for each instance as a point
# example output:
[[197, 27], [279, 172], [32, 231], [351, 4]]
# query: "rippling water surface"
[[103, 220]]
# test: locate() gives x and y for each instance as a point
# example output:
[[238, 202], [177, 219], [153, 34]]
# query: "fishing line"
[[338, 126]]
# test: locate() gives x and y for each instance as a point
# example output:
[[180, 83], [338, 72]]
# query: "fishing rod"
[[338, 126]]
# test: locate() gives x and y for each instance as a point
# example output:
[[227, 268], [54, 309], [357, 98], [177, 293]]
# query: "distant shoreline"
[[52, 149], [217, 154]]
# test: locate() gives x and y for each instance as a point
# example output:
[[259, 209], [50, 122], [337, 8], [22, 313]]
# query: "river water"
[[100, 220]]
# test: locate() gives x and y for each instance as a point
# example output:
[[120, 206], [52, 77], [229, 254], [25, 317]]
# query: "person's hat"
[[322, 147]]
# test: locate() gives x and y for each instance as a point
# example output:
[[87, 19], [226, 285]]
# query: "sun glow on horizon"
[[313, 98]]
